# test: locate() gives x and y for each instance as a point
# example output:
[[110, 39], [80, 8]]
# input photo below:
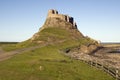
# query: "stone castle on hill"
[[54, 14], [60, 21], [59, 28], [54, 19]]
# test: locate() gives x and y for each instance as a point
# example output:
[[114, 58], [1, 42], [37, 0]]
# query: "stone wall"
[[54, 14]]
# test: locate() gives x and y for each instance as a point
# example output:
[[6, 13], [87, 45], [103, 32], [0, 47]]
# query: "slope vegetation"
[[47, 63]]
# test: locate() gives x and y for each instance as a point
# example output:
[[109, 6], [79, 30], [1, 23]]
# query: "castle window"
[[56, 12], [71, 20], [53, 12], [65, 18]]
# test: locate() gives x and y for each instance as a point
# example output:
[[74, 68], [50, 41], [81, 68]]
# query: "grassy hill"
[[52, 35], [47, 62], [41, 57]]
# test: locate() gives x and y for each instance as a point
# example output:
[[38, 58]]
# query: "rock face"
[[88, 49]]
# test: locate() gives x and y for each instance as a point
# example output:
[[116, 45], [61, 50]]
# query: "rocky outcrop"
[[88, 49], [67, 23], [55, 20]]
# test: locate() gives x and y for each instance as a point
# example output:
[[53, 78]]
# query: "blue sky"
[[99, 19]]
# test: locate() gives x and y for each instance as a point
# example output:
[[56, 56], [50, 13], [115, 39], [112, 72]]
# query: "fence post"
[[116, 74], [102, 65], [91, 63], [108, 68], [96, 63]]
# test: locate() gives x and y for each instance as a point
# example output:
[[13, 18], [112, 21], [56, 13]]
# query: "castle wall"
[[71, 20], [63, 17], [54, 13]]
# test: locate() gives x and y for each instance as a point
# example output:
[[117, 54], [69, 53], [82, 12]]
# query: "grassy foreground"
[[47, 63]]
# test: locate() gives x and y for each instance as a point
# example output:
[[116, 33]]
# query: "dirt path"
[[7, 55]]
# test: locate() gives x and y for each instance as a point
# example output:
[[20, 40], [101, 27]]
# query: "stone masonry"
[[54, 14]]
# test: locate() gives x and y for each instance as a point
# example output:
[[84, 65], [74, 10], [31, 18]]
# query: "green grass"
[[6, 43], [49, 34], [53, 34], [47, 63], [8, 46], [55, 66], [14, 46]]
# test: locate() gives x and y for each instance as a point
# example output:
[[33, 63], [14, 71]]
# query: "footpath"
[[6, 55]]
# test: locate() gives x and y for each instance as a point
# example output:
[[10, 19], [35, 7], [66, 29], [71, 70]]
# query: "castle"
[[54, 14]]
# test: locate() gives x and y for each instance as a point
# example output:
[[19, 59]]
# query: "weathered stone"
[[88, 49], [84, 49], [54, 14], [92, 48]]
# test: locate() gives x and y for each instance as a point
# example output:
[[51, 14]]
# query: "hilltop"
[[64, 23], [60, 28]]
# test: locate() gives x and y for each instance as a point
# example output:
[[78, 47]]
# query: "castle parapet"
[[50, 12]]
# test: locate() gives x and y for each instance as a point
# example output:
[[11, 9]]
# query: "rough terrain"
[[107, 55]]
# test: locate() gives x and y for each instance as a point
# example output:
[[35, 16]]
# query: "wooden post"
[[102, 65], [108, 69], [96, 63], [117, 74], [91, 63]]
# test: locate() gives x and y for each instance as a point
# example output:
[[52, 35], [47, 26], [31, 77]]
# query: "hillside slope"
[[48, 62]]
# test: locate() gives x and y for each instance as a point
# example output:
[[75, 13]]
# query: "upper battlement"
[[52, 11], [55, 14]]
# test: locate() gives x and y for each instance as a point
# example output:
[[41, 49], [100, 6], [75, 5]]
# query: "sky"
[[98, 19]]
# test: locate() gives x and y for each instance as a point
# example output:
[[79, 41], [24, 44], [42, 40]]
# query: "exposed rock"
[[87, 49], [92, 48], [84, 49]]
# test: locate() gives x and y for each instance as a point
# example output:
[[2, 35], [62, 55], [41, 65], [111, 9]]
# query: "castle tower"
[[52, 12]]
